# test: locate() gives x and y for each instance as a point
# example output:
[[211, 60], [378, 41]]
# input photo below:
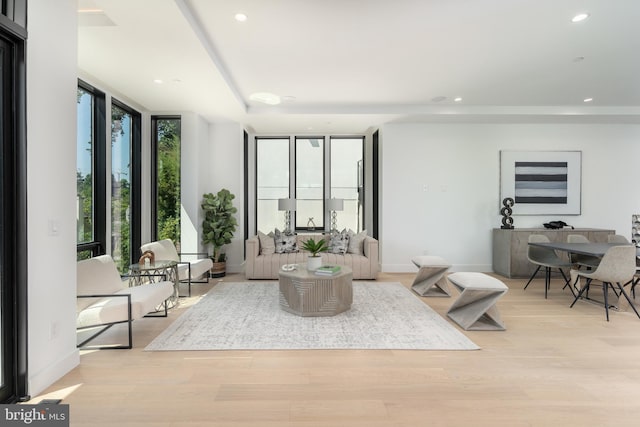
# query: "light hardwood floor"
[[553, 366]]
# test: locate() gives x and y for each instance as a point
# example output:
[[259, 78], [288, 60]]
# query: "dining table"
[[591, 249]]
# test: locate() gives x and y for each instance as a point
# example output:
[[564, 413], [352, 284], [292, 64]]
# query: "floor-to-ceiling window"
[[322, 168], [347, 180], [272, 181], [90, 173], [120, 185], [93, 170], [125, 184], [166, 178], [84, 173], [309, 166]]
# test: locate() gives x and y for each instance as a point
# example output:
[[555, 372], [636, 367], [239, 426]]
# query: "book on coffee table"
[[328, 270]]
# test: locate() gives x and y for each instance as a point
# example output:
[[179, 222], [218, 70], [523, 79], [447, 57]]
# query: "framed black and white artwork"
[[542, 182]]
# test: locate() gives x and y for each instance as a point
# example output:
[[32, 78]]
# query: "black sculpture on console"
[[506, 211]]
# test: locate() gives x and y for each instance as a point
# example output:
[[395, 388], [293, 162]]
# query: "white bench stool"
[[475, 309], [430, 280]]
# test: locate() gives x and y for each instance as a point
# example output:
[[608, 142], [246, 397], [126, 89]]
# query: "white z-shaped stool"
[[430, 280]]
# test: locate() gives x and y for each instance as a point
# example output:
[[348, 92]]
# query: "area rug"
[[247, 316]]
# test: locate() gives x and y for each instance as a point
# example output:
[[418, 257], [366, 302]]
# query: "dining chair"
[[617, 267], [547, 258], [636, 278], [588, 261], [617, 238]]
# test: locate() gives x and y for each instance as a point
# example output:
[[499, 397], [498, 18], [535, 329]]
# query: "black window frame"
[[322, 226], [362, 190], [13, 256], [154, 170], [135, 156], [252, 187], [255, 169], [99, 173]]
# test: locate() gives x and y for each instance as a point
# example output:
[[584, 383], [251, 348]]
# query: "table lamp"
[[287, 205], [335, 205]]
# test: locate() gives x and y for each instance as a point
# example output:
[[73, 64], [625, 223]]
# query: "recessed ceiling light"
[[265, 98], [458, 99], [240, 17], [158, 81], [580, 17], [588, 99]]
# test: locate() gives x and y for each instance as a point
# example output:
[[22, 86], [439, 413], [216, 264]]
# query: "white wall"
[[459, 165], [51, 195], [194, 141], [226, 170]]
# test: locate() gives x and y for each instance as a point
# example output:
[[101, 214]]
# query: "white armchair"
[[189, 272], [104, 300]]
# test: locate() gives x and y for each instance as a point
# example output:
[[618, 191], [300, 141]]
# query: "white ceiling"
[[351, 65]]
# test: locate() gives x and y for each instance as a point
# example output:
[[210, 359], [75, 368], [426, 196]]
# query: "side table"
[[155, 272]]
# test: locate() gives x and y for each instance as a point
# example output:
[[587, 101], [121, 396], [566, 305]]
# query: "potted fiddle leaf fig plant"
[[218, 226], [314, 261]]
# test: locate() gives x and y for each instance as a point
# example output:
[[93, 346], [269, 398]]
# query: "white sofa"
[[261, 266]]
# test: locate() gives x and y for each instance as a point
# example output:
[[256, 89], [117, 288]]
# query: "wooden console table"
[[510, 247]]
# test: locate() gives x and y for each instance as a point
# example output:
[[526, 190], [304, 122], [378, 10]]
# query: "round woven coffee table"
[[307, 294]]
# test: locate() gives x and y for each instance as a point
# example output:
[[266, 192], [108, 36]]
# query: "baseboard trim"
[[53, 372]]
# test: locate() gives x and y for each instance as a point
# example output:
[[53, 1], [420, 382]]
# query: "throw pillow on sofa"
[[267, 243], [285, 243], [356, 242], [339, 242]]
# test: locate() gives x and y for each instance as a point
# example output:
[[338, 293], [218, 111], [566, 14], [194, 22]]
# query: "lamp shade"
[[286, 204], [335, 204]]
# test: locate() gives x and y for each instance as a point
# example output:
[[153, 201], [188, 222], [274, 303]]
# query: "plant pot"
[[219, 269], [314, 262]]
